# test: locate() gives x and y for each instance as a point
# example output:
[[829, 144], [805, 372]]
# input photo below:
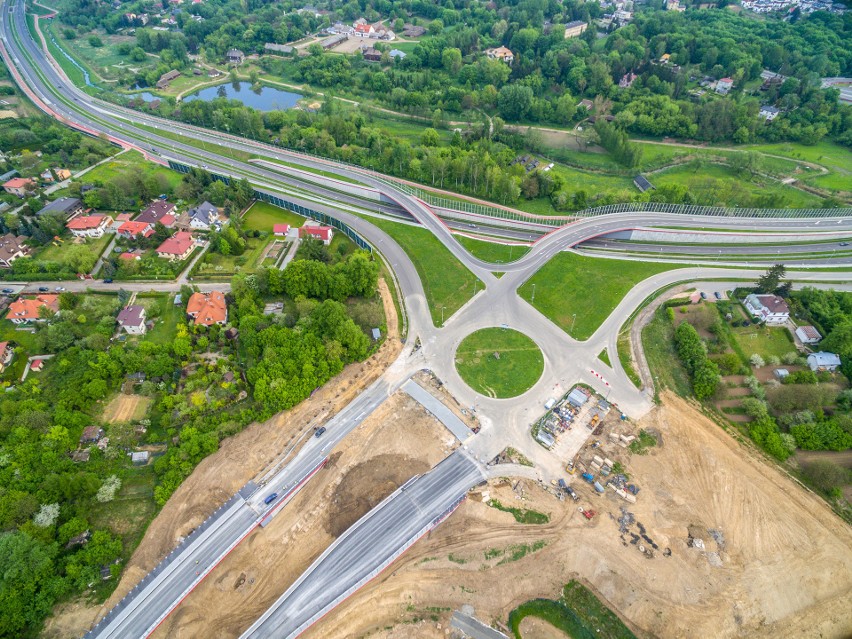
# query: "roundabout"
[[499, 362]]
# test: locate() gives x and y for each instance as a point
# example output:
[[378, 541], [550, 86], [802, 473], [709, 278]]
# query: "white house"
[[90, 225], [769, 113], [203, 217], [724, 86], [769, 309], [808, 335], [132, 319], [823, 361]]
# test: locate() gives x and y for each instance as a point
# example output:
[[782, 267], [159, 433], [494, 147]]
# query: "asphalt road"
[[375, 540], [369, 546]]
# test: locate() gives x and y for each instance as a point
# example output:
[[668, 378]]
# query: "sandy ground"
[[126, 408], [534, 628], [370, 464], [783, 567], [239, 459]]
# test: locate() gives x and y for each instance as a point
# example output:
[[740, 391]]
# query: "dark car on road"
[[108, 280], [270, 499], [319, 431], [8, 290], [43, 289], [717, 295]]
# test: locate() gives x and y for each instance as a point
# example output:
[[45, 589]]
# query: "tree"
[[514, 101], [430, 137], [771, 280], [826, 475]]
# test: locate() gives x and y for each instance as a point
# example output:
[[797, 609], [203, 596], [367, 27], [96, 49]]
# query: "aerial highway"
[[373, 542], [369, 546]]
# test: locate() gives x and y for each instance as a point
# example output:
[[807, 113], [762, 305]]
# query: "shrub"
[[757, 361]]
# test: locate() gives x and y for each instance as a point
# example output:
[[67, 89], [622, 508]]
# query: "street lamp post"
[[573, 319], [442, 314], [533, 295]]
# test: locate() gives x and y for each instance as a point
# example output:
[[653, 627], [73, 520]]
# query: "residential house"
[[27, 309], [412, 31], [132, 319], [140, 458], [823, 361], [363, 30], [46, 176], [674, 5], [207, 309], [280, 230], [37, 366], [333, 41], [769, 309], [724, 86], [91, 435], [396, 54], [501, 53], [177, 248], [235, 56], [372, 55], [131, 230], [11, 248], [808, 335], [6, 355], [586, 104], [627, 80], [135, 254], [203, 217], [90, 225], [338, 28], [120, 219], [62, 174], [271, 47], [769, 113], [642, 183], [19, 186], [575, 28], [68, 206], [322, 233], [157, 212], [166, 79]]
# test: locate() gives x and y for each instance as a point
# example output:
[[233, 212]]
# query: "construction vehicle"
[[569, 468], [589, 477], [588, 514]]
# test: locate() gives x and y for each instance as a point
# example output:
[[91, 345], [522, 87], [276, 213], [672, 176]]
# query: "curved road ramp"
[[370, 546]]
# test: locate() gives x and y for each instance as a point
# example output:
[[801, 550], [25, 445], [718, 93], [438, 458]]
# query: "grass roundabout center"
[[499, 362]]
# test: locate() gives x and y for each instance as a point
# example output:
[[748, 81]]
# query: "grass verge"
[[499, 362], [521, 515], [573, 286], [491, 251], [446, 282]]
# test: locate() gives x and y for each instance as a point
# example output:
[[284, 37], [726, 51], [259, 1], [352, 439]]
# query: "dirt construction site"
[[742, 551]]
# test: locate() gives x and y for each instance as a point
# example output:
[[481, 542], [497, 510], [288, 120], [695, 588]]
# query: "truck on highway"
[[270, 498]]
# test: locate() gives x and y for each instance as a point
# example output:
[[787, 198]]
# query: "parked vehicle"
[[589, 477], [43, 289], [598, 487], [108, 280], [717, 295], [59, 289], [319, 431], [550, 403], [270, 498], [8, 290], [703, 295]]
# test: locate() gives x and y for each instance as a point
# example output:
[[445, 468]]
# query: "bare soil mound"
[[365, 486]]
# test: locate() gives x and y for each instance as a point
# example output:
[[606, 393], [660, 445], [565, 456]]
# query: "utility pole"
[[574, 319], [533, 295], [443, 308]]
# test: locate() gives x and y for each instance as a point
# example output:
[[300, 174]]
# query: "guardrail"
[[304, 211], [715, 211]]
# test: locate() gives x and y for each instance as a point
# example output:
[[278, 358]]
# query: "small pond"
[[264, 98]]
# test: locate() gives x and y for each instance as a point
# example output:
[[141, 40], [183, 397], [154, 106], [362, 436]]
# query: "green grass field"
[[56, 253], [218, 264], [665, 365], [130, 162], [262, 216], [764, 341], [166, 315], [835, 158], [446, 282], [498, 362], [492, 252], [578, 613], [588, 287]]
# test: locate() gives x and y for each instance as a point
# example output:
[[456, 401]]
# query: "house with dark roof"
[[68, 206], [769, 309], [642, 183], [203, 217], [12, 248], [157, 212], [132, 319], [235, 56], [575, 28]]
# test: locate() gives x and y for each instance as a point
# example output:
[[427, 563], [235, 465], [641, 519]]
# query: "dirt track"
[[785, 568], [125, 408]]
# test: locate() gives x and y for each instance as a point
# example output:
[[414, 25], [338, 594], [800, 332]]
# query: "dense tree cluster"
[[831, 311], [703, 371]]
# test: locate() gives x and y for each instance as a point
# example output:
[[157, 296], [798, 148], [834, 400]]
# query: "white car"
[[59, 289]]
